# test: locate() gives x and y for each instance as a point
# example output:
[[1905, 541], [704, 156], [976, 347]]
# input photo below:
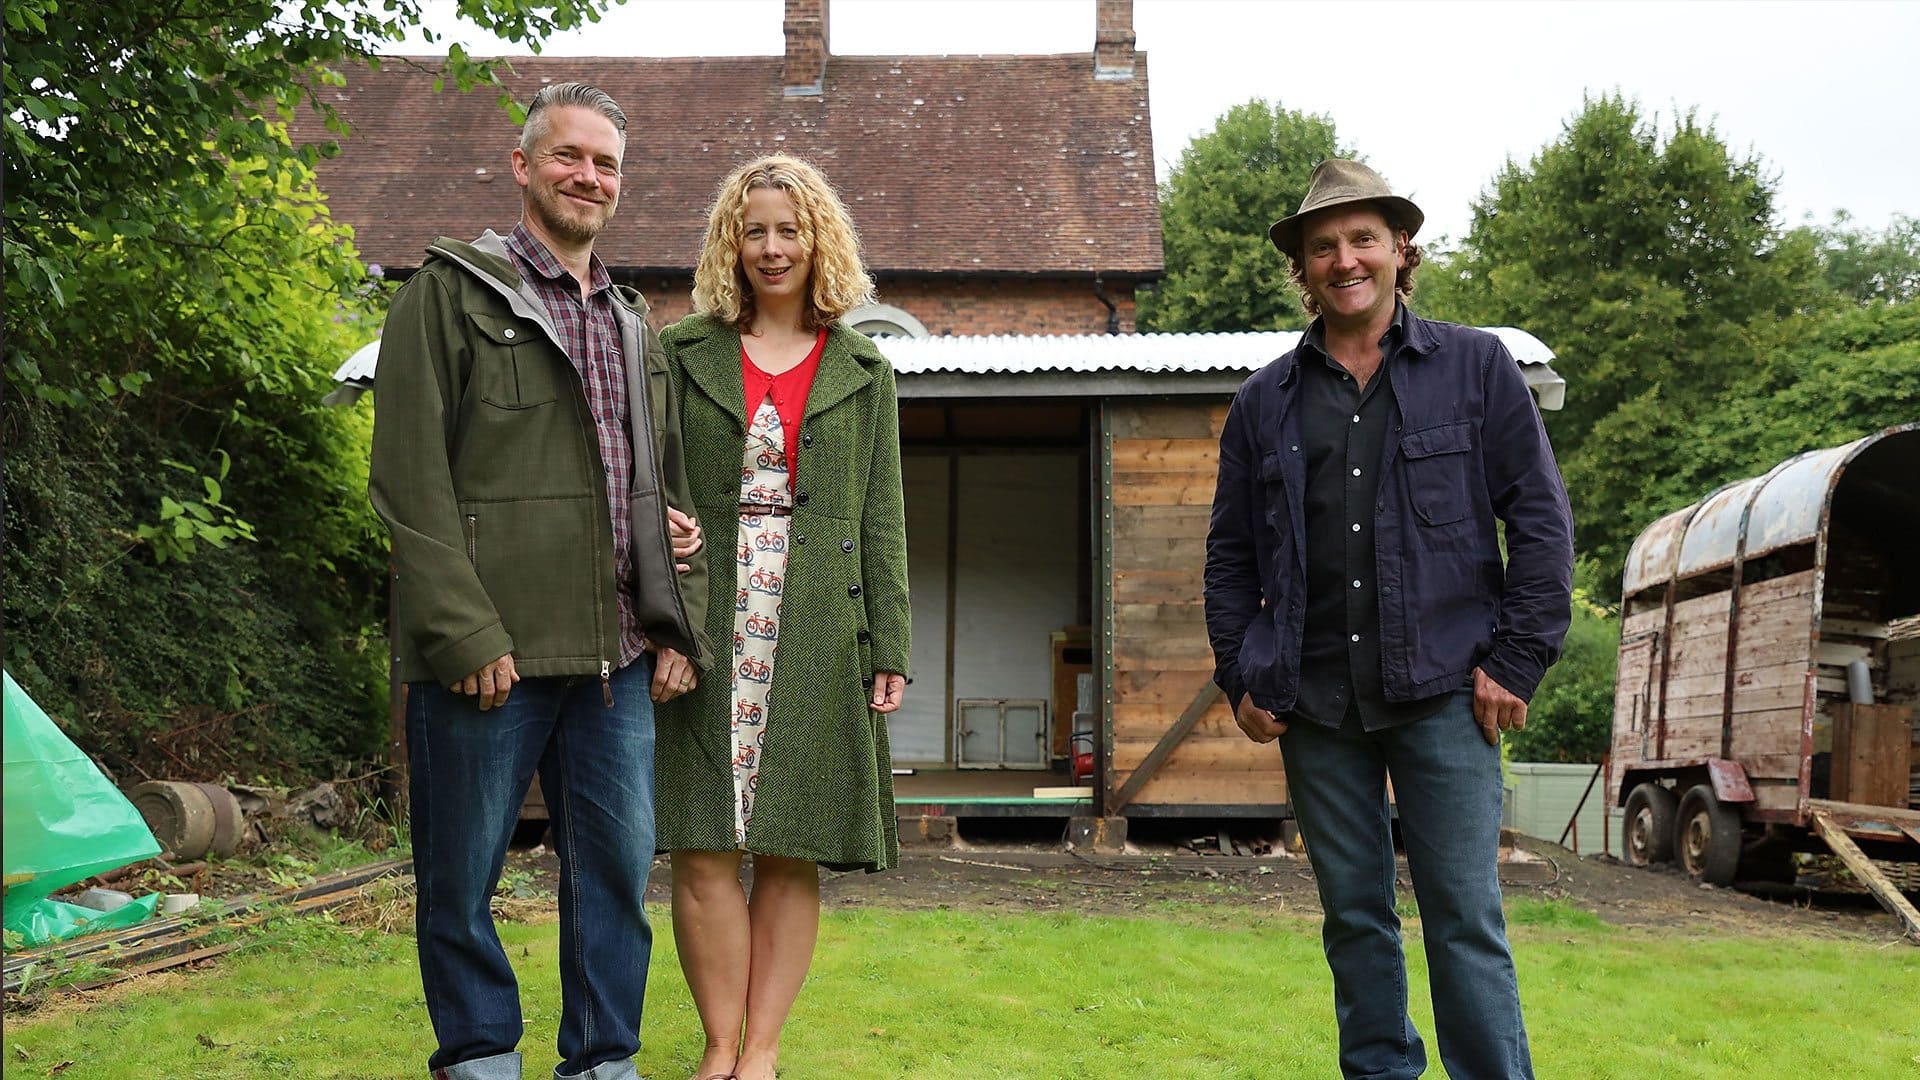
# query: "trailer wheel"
[[1649, 825], [1708, 837]]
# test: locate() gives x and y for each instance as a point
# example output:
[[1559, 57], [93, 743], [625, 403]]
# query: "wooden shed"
[[1058, 488]]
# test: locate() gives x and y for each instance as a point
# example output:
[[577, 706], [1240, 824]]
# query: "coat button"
[[866, 681], [507, 333], [846, 545], [800, 539], [806, 438], [801, 499], [862, 637], [853, 590]]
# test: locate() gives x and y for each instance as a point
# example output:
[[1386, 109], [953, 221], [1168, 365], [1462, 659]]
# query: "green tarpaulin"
[[65, 821]]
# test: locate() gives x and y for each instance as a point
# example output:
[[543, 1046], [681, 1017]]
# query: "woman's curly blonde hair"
[[837, 282]]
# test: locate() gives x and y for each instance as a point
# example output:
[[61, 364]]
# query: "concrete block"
[[929, 830], [1106, 835]]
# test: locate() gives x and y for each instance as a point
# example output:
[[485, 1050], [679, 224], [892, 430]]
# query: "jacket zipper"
[[606, 683], [473, 543]]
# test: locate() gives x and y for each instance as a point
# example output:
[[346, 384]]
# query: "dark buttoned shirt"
[[1344, 428], [591, 339]]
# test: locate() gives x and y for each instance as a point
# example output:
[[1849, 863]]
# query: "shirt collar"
[[1316, 335], [540, 260]]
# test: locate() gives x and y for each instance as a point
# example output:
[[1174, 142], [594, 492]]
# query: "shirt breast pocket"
[[513, 362], [1438, 463]]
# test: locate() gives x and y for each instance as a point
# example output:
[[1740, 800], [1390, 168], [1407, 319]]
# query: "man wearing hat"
[[1361, 613]]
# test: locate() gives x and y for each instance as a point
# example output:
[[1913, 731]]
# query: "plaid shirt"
[[591, 339]]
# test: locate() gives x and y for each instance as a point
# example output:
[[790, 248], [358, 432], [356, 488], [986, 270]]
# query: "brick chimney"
[[806, 28], [1112, 39]]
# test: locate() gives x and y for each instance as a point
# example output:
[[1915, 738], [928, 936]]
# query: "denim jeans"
[[469, 775], [1446, 784]]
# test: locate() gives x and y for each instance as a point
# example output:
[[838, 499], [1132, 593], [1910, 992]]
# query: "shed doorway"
[[999, 571]]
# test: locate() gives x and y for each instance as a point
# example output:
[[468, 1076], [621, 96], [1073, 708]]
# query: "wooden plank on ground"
[[1164, 748], [1869, 874]]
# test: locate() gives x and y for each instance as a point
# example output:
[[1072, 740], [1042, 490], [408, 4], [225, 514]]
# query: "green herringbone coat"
[[826, 783]]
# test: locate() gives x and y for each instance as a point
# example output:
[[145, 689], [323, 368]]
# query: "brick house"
[[993, 194]]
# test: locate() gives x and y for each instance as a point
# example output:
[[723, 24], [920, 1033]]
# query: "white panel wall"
[[1018, 543], [918, 730], [1542, 796]]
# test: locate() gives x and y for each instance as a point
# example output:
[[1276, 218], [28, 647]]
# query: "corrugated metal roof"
[[1787, 505], [1132, 353], [1125, 352]]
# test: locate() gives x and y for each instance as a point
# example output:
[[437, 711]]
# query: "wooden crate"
[[1872, 745]]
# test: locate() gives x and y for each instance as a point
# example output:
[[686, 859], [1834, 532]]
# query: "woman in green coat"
[[791, 429]]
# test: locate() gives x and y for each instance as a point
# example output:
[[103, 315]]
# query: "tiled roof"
[[986, 164]]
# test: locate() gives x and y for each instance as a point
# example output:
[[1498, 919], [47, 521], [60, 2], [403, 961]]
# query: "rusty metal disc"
[[179, 814]]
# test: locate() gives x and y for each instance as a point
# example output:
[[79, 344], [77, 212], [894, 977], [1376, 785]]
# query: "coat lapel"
[[713, 365], [842, 372]]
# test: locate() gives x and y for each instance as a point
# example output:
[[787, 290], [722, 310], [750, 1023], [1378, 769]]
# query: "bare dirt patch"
[[1047, 878]]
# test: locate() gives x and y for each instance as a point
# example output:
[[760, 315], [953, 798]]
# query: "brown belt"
[[765, 510]]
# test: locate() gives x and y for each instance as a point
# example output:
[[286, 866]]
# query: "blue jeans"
[[469, 775], [1446, 783]]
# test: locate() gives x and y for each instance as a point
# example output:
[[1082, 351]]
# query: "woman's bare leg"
[[711, 931], [785, 913]]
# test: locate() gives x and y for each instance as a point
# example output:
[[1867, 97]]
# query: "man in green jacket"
[[525, 454]]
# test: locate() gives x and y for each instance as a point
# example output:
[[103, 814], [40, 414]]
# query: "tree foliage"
[[1570, 718], [1865, 265], [1849, 374], [1229, 186], [188, 543], [1640, 258]]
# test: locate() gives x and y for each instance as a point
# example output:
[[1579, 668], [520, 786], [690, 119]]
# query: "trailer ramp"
[[1838, 822]]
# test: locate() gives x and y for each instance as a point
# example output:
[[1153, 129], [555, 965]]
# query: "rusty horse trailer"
[[1769, 671]]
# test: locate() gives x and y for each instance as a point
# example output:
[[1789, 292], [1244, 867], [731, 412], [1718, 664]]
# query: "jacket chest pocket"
[[1272, 493], [1437, 464], [513, 362]]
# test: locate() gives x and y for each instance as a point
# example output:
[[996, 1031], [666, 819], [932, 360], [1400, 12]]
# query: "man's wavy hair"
[[837, 282], [1402, 281]]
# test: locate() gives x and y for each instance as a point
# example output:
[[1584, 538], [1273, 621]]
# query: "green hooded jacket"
[[486, 469]]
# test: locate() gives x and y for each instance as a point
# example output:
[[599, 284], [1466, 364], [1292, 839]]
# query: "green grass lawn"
[[1185, 991]]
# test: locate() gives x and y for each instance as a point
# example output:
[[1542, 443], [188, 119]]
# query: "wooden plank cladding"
[[1163, 462]]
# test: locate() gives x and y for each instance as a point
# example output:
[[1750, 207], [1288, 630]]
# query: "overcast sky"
[[1437, 95]]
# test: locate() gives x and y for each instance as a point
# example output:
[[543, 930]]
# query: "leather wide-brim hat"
[[1338, 182]]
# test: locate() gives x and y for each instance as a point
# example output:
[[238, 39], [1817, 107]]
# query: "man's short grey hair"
[[568, 94]]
